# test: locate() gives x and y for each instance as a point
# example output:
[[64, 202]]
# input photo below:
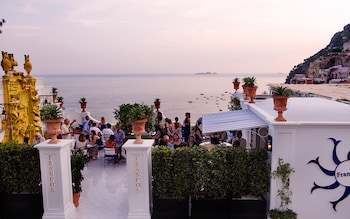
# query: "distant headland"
[[206, 73]]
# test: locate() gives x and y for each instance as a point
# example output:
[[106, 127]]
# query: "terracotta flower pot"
[[157, 105], [53, 128], [280, 105], [138, 128], [245, 92], [236, 85], [76, 197], [251, 92], [83, 106]]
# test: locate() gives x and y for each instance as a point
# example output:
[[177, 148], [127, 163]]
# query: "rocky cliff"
[[336, 44]]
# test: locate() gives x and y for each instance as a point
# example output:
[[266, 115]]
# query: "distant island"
[[206, 73]]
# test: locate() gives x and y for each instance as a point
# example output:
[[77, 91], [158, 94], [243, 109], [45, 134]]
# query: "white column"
[[139, 167], [56, 177]]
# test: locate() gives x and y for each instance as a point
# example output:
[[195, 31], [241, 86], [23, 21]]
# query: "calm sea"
[[179, 93]]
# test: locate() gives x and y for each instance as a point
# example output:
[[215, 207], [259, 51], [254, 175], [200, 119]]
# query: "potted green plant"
[[250, 86], [235, 104], [20, 184], [283, 172], [83, 103], [52, 116], [236, 83], [280, 95], [133, 115], [60, 100], [54, 94], [78, 161], [281, 91]]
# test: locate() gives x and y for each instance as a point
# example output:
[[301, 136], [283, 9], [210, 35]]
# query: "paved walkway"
[[105, 191]]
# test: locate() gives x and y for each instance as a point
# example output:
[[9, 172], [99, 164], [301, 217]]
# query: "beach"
[[178, 93]]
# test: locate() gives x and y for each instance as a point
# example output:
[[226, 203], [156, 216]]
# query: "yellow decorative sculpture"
[[21, 102], [12, 60], [27, 64], [5, 62]]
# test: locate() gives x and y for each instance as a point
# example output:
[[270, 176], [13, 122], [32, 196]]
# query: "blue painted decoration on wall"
[[341, 174]]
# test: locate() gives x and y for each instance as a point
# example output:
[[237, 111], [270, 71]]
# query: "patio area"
[[105, 191]]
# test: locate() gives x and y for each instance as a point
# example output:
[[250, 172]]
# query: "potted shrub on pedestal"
[[136, 118], [78, 161], [157, 103], [52, 116], [250, 86], [280, 97], [236, 83], [282, 173], [83, 103]]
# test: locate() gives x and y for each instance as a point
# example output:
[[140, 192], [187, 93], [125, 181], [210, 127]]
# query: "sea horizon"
[[179, 93]]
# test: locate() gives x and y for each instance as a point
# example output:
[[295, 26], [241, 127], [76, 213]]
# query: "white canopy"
[[232, 120]]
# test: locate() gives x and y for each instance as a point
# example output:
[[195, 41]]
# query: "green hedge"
[[223, 172], [19, 169]]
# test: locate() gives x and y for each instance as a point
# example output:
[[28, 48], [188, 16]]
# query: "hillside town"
[[331, 68]]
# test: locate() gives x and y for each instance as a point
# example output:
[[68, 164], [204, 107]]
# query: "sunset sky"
[[168, 36]]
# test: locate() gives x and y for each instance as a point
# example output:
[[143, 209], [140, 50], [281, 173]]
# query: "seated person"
[[38, 138], [235, 143], [81, 143], [242, 141], [177, 142], [191, 141], [110, 143], [223, 136], [93, 147]]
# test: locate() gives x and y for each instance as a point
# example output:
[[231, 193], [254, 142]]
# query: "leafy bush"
[[258, 172], [223, 172], [162, 165], [130, 112], [19, 169]]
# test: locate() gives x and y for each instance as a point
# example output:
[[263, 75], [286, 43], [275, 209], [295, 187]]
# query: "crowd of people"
[[175, 134], [91, 134]]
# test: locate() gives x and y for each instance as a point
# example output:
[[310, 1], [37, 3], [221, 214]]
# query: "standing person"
[[106, 132], [86, 128], [178, 127], [119, 136], [242, 141], [102, 125], [159, 119], [187, 126], [169, 126]]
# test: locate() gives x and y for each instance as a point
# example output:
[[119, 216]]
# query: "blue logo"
[[341, 173]]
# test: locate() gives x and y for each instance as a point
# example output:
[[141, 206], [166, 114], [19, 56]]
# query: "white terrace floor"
[[105, 191]]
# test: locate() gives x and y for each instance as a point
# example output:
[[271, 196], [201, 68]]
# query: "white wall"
[[300, 143]]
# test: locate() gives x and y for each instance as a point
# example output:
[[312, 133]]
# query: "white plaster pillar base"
[[56, 177], [139, 167]]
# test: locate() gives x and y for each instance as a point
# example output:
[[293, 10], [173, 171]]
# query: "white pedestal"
[[56, 177], [139, 167]]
